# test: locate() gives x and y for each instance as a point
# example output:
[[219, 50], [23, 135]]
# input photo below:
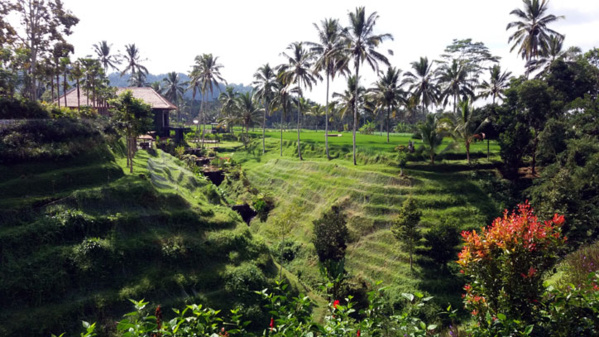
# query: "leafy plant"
[[506, 263]]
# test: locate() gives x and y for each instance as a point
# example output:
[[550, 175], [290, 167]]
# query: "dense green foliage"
[[78, 237]]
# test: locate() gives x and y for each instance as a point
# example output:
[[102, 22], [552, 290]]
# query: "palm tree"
[[316, 111], [249, 111], [227, 100], [346, 101], [456, 82], [265, 84], [498, 82], [76, 75], [282, 101], [422, 82], [532, 34], [464, 126], [107, 60], [432, 134], [297, 73], [361, 44], [173, 90], [330, 59], [206, 74], [138, 79], [65, 66], [554, 52], [387, 92], [133, 60]]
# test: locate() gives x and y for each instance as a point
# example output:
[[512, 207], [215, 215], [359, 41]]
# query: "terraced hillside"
[[79, 237], [371, 196]]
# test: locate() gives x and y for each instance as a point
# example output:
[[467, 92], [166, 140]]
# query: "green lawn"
[[371, 144]]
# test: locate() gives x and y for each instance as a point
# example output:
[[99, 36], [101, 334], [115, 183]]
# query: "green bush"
[[14, 108]]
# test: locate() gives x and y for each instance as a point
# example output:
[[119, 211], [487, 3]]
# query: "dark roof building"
[[160, 105]]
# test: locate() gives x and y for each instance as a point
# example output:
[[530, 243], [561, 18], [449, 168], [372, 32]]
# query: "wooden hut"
[[160, 105]]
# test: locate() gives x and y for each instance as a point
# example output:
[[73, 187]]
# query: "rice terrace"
[[371, 178]]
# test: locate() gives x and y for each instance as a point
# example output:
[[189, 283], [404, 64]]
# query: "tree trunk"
[[58, 88], [534, 152], [299, 113], [131, 153], [488, 157], [264, 126], [388, 113], [202, 107], [78, 97], [326, 122], [468, 152], [65, 84], [356, 109], [283, 113]]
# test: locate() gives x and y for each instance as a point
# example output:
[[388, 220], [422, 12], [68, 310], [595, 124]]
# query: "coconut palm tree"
[[330, 59], [133, 61], [532, 34], [227, 102], [432, 134], [206, 74], [456, 82], [249, 111], [464, 126], [282, 101], [173, 89], [497, 83], [297, 73], [422, 82], [360, 45], [555, 52], [317, 111], [387, 92], [346, 101], [107, 60], [76, 75], [138, 79], [265, 84]]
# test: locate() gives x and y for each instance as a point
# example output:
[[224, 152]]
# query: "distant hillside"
[[117, 81], [79, 236]]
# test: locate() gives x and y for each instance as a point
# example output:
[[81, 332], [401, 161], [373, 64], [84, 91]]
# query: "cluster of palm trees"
[[454, 82], [342, 51]]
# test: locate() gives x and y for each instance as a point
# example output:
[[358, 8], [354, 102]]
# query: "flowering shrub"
[[506, 262]]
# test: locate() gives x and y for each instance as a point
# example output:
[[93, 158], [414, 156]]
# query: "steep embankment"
[[79, 237]]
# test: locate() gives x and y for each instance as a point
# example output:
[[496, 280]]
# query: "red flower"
[[335, 304], [358, 334], [272, 324]]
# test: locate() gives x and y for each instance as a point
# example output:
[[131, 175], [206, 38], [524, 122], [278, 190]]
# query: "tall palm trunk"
[[58, 88], [64, 91], [388, 113], [299, 113], [326, 122], [468, 151], [264, 126], [356, 108], [283, 113], [202, 126], [78, 97]]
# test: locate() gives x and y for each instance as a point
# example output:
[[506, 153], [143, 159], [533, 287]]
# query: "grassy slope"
[[371, 195], [80, 237]]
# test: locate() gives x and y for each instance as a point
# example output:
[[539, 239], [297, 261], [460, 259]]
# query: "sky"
[[246, 34]]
